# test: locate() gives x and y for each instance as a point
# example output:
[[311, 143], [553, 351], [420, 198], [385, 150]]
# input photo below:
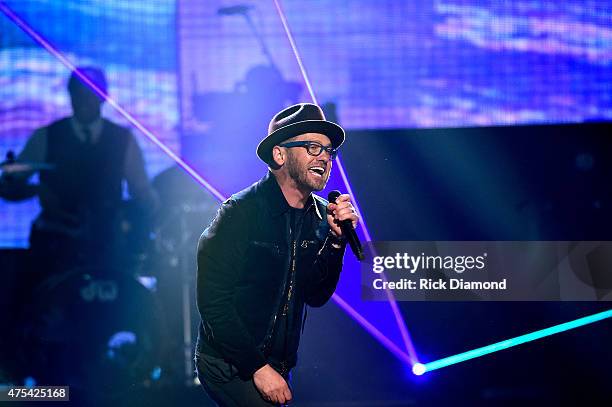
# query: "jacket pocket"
[[214, 369]]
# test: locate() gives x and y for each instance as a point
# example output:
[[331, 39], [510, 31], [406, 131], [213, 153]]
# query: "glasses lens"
[[314, 148]]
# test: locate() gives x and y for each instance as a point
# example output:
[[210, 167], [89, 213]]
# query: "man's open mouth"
[[319, 171]]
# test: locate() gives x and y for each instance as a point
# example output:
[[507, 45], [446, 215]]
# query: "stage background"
[[467, 120], [133, 41], [387, 64]]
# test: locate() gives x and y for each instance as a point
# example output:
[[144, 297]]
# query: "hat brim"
[[334, 132]]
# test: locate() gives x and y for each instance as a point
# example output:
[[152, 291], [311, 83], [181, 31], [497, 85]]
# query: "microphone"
[[234, 10], [347, 229]]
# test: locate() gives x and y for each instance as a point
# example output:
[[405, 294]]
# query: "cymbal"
[[23, 167]]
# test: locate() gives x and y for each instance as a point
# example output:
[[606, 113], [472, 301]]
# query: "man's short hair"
[[95, 75]]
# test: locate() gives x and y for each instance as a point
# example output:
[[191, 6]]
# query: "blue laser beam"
[[419, 368]]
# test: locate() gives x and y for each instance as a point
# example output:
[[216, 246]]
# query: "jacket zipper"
[[268, 338], [291, 279]]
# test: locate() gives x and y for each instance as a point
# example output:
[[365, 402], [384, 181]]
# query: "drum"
[[98, 331]]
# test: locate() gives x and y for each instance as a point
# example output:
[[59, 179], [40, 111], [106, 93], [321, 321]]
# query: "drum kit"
[[11, 167], [110, 330]]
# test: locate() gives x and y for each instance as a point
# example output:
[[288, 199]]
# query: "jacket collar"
[[276, 200]]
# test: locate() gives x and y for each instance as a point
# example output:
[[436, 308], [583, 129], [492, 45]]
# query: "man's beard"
[[301, 178]]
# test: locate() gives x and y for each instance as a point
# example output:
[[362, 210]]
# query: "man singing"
[[272, 250]]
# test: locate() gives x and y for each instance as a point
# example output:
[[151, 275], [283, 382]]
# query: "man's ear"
[[279, 156]]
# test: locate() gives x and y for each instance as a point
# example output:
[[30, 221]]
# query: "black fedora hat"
[[295, 120]]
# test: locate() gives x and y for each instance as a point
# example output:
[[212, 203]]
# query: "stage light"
[[29, 382], [418, 369], [156, 373], [118, 341]]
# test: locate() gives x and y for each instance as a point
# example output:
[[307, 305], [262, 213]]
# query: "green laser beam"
[[419, 368]]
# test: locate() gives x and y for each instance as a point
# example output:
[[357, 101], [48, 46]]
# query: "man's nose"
[[325, 156]]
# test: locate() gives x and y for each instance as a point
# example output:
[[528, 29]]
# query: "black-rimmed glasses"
[[312, 147]]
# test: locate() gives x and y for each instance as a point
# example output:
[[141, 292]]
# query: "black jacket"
[[244, 258]]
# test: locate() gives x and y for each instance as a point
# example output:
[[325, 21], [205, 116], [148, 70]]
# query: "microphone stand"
[[260, 39]]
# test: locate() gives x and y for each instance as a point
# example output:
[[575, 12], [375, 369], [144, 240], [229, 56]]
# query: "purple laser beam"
[[400, 354], [396, 313], [112, 102]]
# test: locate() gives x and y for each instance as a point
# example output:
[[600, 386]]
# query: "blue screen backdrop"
[[385, 64], [133, 41]]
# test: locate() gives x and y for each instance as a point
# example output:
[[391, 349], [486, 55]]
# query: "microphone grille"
[[333, 195]]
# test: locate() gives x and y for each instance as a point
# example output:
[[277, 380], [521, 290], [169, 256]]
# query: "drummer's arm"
[[15, 187], [136, 177]]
